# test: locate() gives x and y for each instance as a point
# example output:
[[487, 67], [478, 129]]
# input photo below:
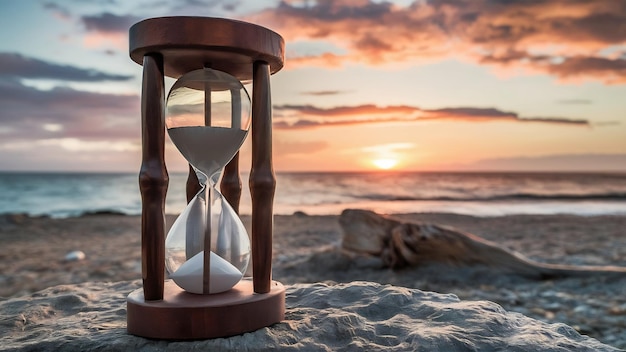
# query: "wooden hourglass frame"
[[173, 46]]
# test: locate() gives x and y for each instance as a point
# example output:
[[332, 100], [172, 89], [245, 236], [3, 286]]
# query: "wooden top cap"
[[190, 43]]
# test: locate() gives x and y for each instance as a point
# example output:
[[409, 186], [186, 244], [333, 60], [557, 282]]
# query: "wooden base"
[[187, 316]]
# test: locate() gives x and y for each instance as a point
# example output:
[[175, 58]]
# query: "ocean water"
[[480, 194]]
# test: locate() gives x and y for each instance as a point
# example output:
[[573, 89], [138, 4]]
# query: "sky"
[[426, 85]]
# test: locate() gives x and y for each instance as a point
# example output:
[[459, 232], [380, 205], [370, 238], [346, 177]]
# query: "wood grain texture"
[[186, 316], [193, 184], [262, 180], [153, 178], [190, 43]]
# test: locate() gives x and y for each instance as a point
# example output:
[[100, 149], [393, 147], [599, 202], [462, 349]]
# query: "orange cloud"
[[97, 39], [612, 71], [308, 116], [564, 38], [323, 92]]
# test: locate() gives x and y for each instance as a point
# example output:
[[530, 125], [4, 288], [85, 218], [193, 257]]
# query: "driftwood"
[[401, 244]]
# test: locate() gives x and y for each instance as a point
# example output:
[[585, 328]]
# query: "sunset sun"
[[385, 164]]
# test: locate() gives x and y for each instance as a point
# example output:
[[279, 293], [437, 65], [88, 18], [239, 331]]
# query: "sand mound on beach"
[[320, 317]]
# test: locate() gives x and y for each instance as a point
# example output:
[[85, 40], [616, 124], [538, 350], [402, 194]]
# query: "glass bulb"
[[207, 118]]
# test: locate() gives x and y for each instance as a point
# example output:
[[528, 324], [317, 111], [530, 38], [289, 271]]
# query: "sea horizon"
[[373, 171], [67, 194]]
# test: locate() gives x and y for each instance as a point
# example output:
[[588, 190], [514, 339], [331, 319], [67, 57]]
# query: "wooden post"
[[231, 183], [262, 179], [153, 177]]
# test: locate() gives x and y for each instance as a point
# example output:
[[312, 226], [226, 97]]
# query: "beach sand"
[[306, 250]]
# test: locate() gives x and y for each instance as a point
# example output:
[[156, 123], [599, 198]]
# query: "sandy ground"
[[32, 252]]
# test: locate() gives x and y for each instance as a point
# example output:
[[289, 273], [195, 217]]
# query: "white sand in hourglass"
[[207, 148], [223, 274]]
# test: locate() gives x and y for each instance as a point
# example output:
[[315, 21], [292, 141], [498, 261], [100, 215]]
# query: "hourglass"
[[207, 116]]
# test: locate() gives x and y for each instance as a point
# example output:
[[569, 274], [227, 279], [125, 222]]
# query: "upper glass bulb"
[[207, 118]]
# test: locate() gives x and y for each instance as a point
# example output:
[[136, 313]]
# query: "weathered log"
[[401, 244]]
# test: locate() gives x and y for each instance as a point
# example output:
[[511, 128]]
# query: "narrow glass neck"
[[210, 180]]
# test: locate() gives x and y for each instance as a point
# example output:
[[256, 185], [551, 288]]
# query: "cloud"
[[73, 145], [490, 114], [324, 92], [575, 101], [205, 5], [30, 114], [98, 28], [569, 39], [347, 110], [557, 120], [59, 11], [109, 23], [14, 65], [470, 113], [308, 116], [607, 123], [107, 28], [112, 28], [611, 70], [324, 59]]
